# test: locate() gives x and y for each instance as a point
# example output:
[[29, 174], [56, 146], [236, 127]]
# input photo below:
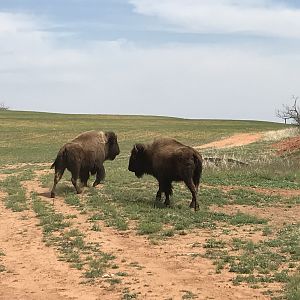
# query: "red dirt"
[[236, 140], [287, 146]]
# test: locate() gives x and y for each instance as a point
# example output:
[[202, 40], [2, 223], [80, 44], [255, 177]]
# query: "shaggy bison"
[[84, 155], [168, 160]]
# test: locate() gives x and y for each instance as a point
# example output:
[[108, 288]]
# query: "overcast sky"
[[219, 59]]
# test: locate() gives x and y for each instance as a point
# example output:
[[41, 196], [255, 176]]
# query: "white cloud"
[[37, 73], [225, 16]]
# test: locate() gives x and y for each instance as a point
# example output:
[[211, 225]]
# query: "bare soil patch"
[[236, 140], [287, 146]]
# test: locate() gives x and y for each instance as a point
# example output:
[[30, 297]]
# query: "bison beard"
[[84, 156], [168, 160]]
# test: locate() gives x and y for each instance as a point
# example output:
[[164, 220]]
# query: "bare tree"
[[3, 106], [290, 112]]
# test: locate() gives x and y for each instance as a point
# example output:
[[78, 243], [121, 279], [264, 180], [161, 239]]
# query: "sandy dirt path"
[[236, 140]]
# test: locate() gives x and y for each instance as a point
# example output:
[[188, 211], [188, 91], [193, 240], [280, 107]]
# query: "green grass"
[[293, 287], [109, 212], [148, 227], [244, 197], [70, 242], [37, 137], [98, 265], [127, 295], [16, 198], [243, 219], [258, 262]]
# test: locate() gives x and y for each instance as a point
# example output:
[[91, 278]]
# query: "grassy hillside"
[[36, 137]]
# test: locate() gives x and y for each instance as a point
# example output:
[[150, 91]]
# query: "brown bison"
[[84, 155], [168, 160]]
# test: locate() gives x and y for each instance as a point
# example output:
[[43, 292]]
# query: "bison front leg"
[[192, 188], [168, 191], [99, 176], [158, 195]]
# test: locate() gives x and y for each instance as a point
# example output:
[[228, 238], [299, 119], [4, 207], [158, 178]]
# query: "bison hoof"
[[194, 205], [52, 195]]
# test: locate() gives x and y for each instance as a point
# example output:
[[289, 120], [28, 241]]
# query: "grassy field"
[[36, 137], [246, 227]]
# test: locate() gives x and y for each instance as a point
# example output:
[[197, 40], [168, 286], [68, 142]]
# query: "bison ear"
[[139, 148]]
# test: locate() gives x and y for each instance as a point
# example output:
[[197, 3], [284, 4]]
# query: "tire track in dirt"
[[160, 272]]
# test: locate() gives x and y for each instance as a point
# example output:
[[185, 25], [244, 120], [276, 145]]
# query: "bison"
[[168, 160], [84, 155]]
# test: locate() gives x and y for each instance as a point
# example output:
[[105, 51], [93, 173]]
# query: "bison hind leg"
[[191, 186], [75, 176], [194, 205], [84, 177]]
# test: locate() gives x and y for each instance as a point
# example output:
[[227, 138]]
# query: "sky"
[[203, 59]]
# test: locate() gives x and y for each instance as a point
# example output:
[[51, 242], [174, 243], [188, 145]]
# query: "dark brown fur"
[[84, 156], [168, 160]]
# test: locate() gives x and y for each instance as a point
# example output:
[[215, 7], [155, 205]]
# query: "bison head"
[[137, 160], [113, 146]]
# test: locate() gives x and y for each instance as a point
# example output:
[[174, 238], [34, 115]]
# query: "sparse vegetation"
[[248, 243], [16, 198], [2, 267], [293, 287], [70, 242]]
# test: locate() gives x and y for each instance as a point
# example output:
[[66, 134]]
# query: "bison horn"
[[139, 148]]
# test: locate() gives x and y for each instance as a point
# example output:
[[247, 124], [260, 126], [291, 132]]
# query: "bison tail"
[[53, 165], [60, 159], [198, 169]]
